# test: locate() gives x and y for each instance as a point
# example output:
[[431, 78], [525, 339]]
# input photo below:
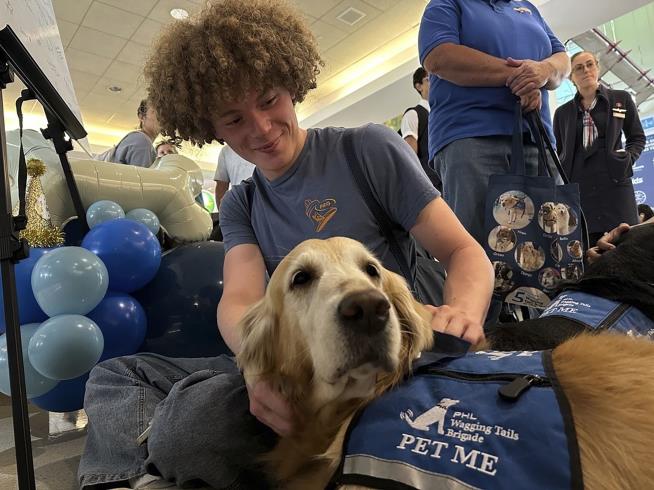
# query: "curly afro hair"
[[233, 47]]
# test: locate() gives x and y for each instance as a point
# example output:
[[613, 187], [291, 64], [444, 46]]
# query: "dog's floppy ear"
[[414, 319], [258, 355], [270, 353]]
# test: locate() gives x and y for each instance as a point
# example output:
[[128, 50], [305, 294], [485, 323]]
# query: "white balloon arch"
[[168, 188]]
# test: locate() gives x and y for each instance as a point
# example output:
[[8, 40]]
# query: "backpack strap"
[[383, 221], [423, 120]]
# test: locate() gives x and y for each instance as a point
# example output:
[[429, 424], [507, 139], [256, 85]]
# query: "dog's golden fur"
[[293, 339]]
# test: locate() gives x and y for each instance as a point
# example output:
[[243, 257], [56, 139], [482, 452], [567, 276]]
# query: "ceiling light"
[[351, 16], [179, 14], [114, 88]]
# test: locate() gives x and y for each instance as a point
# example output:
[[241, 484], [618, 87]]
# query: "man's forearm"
[[467, 67], [220, 190], [470, 281], [413, 143]]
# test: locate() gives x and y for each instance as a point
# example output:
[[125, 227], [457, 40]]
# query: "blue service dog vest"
[[488, 420], [601, 314]]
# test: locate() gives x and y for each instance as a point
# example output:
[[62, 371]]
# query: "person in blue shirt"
[[482, 55]]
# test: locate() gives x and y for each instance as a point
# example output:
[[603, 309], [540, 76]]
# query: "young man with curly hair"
[[235, 74]]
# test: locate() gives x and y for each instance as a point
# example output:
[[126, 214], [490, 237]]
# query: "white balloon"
[[168, 188], [168, 191]]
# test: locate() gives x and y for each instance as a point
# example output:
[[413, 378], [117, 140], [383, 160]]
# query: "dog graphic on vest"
[[432, 416]]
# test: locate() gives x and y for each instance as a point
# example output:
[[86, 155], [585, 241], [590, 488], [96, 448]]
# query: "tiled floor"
[[57, 442]]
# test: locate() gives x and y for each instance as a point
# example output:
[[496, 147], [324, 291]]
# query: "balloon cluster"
[[75, 307], [101, 211]]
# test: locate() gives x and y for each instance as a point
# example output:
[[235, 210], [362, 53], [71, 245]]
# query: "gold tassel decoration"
[[40, 232]]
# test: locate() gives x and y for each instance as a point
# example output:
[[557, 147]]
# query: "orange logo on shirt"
[[320, 211]]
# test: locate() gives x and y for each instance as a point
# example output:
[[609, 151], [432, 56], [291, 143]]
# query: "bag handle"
[[518, 166], [517, 145], [545, 145]]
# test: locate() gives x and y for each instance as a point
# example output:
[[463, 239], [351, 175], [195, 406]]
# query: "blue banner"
[[643, 178]]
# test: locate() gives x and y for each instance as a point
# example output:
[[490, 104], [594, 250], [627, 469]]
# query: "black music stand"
[[14, 58]]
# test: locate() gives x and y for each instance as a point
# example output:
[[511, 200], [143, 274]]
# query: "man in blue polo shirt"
[[482, 55]]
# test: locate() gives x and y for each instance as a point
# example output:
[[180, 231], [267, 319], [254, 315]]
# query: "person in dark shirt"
[[588, 132]]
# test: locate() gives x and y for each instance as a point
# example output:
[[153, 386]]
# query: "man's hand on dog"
[[271, 409], [455, 322], [606, 242]]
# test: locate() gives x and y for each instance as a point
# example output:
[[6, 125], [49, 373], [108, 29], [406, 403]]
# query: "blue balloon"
[[35, 383], [101, 211], [180, 302], [145, 216], [66, 346], [122, 321], [69, 280], [130, 251], [29, 310], [67, 396]]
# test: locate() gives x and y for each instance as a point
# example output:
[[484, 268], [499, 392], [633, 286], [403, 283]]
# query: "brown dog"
[[336, 329]]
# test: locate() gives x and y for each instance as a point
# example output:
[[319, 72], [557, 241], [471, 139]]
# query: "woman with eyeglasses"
[[588, 131]]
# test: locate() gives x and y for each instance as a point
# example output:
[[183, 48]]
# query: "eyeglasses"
[[589, 65]]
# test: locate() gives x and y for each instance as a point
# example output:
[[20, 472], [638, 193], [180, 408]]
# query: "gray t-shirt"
[[318, 197], [232, 168], [135, 149]]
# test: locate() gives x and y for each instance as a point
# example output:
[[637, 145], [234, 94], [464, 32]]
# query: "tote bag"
[[534, 226]]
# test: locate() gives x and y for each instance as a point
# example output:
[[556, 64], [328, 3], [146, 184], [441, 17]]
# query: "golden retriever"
[[336, 329], [530, 257], [563, 220]]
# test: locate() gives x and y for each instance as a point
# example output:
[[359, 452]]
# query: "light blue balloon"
[[145, 216], [66, 346], [101, 211], [35, 383], [69, 280]]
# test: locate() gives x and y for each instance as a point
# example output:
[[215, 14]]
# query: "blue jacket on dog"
[[491, 420], [600, 313]]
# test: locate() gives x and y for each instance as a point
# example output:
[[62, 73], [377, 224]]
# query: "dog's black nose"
[[366, 311]]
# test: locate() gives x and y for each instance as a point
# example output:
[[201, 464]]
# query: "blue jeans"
[[201, 429], [464, 167]]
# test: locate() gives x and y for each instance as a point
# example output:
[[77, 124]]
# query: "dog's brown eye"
[[372, 270], [300, 278]]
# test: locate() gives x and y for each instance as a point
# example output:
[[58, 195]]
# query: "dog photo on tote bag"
[[534, 237]]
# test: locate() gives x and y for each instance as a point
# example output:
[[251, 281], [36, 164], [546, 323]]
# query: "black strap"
[[517, 146], [423, 120], [20, 220], [383, 222], [518, 163], [536, 124]]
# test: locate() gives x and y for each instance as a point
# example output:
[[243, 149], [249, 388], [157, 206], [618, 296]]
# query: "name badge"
[[619, 111]]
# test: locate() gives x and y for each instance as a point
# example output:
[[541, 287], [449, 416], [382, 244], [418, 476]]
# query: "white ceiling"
[[391, 94], [106, 42]]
